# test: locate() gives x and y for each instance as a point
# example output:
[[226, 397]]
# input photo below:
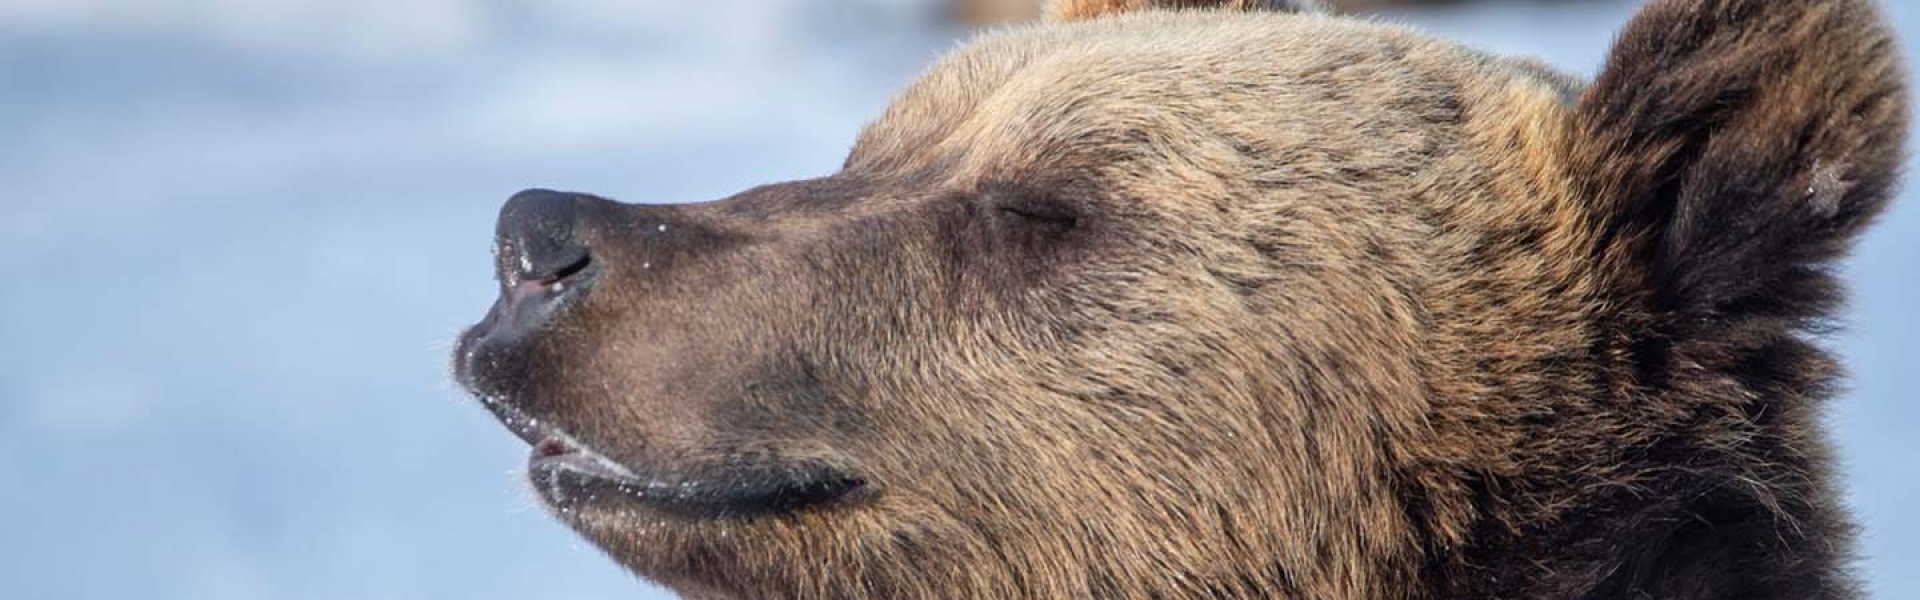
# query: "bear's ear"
[[1074, 10], [1735, 148]]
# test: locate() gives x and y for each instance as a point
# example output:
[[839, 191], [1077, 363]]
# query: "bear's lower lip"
[[570, 475], [574, 478]]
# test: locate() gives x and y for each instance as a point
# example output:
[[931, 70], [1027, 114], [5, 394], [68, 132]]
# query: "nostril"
[[565, 272], [539, 238], [535, 264]]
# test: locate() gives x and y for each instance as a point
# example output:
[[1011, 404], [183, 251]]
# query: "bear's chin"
[[721, 554]]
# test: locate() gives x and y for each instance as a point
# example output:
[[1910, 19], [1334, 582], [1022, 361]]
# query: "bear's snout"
[[544, 266]]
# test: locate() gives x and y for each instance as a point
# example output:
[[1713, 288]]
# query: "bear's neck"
[[1602, 459]]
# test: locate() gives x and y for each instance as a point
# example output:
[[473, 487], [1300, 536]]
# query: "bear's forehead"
[[1034, 95]]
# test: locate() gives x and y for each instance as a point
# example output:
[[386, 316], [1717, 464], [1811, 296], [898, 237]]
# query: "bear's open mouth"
[[561, 466], [558, 453], [571, 474]]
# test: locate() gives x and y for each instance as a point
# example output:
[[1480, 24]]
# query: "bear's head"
[[1247, 302]]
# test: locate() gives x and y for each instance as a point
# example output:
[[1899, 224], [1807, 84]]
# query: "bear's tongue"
[[552, 447]]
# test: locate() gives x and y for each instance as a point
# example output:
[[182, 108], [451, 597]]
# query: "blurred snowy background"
[[239, 235]]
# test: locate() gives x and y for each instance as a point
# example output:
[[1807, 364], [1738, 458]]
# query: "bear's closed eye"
[[1049, 215]]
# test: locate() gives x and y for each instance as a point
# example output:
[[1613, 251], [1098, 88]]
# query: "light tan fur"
[[1074, 10]]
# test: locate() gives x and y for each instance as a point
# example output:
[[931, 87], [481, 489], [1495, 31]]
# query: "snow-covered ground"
[[239, 236]]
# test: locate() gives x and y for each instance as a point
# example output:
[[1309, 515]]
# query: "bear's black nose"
[[539, 237]]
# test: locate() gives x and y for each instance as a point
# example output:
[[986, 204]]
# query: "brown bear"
[[1242, 302]]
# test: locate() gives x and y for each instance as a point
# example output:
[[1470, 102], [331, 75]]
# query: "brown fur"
[[1214, 305]]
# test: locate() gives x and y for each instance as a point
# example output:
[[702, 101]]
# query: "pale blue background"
[[236, 237]]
